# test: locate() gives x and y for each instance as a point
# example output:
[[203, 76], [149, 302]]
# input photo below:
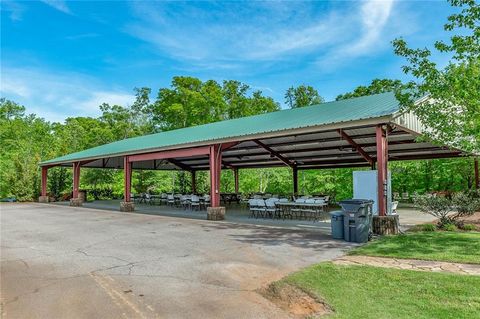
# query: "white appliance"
[[365, 187]]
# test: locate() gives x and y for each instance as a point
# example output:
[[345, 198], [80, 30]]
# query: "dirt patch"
[[295, 301]]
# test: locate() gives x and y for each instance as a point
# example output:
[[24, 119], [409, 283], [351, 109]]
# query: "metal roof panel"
[[361, 108]]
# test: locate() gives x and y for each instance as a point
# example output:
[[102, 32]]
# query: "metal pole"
[[127, 171], [295, 180], [381, 170], [76, 179], [235, 177], [215, 168], [44, 180]]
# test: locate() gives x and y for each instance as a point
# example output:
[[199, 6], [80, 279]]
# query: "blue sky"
[[61, 58]]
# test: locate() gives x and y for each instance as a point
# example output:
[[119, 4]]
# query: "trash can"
[[337, 224], [357, 219]]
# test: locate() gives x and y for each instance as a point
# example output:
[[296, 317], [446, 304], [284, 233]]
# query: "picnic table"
[[230, 197], [301, 210]]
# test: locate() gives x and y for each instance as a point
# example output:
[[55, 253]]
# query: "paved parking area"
[[65, 262]]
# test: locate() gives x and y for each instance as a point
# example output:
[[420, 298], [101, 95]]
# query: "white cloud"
[[59, 5], [375, 15], [226, 34], [14, 8], [375, 35], [55, 96], [229, 35]]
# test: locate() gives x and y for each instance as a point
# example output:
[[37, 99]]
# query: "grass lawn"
[[461, 247], [371, 292]]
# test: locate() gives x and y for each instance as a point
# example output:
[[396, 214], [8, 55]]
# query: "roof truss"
[[349, 147]]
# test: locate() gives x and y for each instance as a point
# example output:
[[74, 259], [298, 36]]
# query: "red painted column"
[[194, 183], [235, 177], [295, 180], [127, 172], [215, 170], [477, 176], [44, 180], [382, 160], [76, 179]]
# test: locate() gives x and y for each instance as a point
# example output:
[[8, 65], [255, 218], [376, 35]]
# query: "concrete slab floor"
[[239, 214], [69, 262]]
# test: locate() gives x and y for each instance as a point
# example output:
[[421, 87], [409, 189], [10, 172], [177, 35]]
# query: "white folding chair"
[[394, 207], [170, 200], [195, 202]]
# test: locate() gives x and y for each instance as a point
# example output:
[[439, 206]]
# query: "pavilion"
[[365, 131]]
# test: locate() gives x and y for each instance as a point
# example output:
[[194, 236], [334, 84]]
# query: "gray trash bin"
[[357, 219], [337, 224]]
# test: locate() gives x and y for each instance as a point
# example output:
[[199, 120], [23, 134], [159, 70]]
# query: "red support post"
[[235, 177], [215, 170], [127, 171], [477, 176], [382, 162], [295, 180], [44, 180], [76, 179], [194, 182]]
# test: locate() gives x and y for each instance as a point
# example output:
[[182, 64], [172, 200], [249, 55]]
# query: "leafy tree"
[[376, 86], [191, 102], [452, 108], [10, 110], [303, 95], [25, 140]]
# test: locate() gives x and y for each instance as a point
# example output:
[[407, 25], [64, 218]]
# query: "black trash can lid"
[[336, 213], [356, 201]]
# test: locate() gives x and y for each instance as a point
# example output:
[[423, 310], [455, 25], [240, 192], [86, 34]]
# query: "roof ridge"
[[298, 109]]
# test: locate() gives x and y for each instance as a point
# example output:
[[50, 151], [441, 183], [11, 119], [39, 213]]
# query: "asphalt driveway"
[[65, 262]]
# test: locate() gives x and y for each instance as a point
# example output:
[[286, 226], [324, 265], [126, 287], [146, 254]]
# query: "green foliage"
[[449, 227], [469, 227], [27, 139], [191, 102], [429, 227], [465, 204], [303, 95], [376, 86], [437, 206], [452, 108], [449, 211]]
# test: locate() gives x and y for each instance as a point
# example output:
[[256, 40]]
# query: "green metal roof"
[[360, 108]]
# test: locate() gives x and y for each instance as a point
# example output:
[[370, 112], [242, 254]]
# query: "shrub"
[[429, 227], [440, 207], [448, 211], [469, 227], [449, 227]]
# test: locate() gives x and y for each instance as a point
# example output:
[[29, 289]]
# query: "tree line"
[[27, 139], [452, 111]]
